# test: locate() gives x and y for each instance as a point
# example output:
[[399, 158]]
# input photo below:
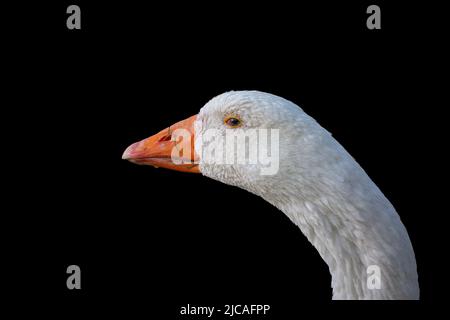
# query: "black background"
[[150, 241]]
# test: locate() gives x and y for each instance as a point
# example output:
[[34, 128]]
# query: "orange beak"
[[172, 148]]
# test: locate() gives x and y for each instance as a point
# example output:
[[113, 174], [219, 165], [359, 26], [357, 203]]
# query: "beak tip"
[[127, 154]]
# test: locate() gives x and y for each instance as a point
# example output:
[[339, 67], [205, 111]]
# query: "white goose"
[[319, 186]]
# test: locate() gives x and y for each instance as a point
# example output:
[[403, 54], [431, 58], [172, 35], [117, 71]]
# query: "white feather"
[[324, 191]]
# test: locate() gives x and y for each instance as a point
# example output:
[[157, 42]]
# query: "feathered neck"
[[352, 225], [324, 191]]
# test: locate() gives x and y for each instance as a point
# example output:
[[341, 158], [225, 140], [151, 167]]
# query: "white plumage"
[[318, 185], [324, 191]]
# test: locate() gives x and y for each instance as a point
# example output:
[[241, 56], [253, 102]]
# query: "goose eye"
[[233, 122]]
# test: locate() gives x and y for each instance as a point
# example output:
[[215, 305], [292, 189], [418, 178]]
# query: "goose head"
[[235, 139], [269, 146]]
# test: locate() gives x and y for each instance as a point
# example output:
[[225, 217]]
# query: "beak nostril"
[[165, 138]]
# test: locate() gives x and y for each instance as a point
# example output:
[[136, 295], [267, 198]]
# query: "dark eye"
[[233, 122]]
